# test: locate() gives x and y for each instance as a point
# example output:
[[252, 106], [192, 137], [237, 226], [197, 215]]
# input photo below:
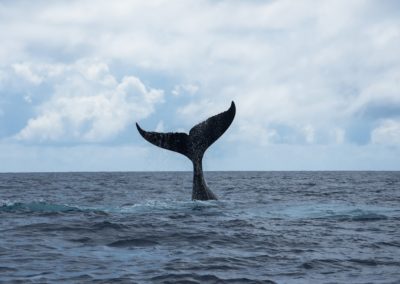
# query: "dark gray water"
[[283, 227]]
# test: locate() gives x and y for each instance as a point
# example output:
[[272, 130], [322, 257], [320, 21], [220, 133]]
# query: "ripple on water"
[[134, 242]]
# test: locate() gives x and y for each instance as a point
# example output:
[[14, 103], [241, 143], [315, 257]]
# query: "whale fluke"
[[193, 146], [173, 141]]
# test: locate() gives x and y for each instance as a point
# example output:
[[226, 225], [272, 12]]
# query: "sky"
[[316, 83]]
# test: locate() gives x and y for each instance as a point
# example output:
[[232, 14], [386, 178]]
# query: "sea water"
[[266, 227]]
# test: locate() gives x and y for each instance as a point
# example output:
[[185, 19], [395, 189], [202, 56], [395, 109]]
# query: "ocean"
[[142, 227]]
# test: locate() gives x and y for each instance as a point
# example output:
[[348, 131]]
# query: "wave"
[[36, 206], [134, 242], [362, 215], [338, 212], [170, 205], [207, 278], [153, 206]]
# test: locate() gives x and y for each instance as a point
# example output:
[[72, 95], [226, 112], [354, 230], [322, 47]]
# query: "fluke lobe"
[[193, 146]]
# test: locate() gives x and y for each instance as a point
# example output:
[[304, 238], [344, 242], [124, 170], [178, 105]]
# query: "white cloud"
[[339, 135], [96, 71], [247, 131], [25, 72], [189, 89], [198, 111], [90, 105], [160, 126], [309, 133], [388, 132]]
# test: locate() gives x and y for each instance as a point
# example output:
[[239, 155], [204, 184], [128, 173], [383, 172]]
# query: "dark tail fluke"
[[173, 141], [193, 146], [200, 137]]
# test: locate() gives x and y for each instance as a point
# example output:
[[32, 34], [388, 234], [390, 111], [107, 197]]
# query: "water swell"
[[134, 242], [155, 206], [152, 206], [181, 209], [337, 212], [356, 215], [37, 206]]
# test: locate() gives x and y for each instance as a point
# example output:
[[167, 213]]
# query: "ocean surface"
[[267, 227]]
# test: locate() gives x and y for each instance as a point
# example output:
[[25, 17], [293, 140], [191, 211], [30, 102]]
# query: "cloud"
[[339, 135], [25, 72], [309, 133], [185, 89], [301, 72], [89, 105], [160, 126], [387, 133], [247, 132]]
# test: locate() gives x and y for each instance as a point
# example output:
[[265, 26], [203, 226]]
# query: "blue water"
[[267, 227]]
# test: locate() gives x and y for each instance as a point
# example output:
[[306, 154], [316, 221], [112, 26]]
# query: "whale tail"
[[200, 137]]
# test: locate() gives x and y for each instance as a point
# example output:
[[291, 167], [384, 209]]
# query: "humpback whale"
[[193, 146]]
